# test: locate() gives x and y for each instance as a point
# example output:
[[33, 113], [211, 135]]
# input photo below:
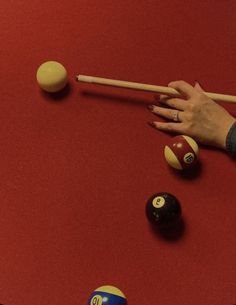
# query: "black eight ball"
[[163, 209]]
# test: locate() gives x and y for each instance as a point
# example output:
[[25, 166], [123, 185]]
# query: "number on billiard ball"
[[163, 209], [107, 295]]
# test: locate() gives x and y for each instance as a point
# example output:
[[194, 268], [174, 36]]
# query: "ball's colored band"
[[231, 141], [107, 298], [186, 148]]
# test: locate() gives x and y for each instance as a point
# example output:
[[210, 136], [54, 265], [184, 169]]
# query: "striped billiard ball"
[[107, 295], [181, 152]]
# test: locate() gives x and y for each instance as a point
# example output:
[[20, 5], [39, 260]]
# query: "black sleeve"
[[231, 141]]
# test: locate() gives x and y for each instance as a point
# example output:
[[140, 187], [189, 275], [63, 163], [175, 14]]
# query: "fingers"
[[171, 102], [175, 103], [184, 88], [169, 127], [181, 112], [171, 114]]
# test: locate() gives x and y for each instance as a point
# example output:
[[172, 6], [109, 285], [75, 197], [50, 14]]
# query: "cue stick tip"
[[84, 78]]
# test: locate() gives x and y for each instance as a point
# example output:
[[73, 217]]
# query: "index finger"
[[183, 87]]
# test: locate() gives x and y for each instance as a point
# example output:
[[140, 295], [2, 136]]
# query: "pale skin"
[[198, 116]]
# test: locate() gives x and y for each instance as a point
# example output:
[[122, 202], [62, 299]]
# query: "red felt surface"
[[76, 170]]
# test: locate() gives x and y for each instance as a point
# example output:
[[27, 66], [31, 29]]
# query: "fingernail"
[[152, 124], [197, 82], [150, 107]]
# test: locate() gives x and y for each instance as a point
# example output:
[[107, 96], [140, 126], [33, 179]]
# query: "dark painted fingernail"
[[150, 107], [152, 124]]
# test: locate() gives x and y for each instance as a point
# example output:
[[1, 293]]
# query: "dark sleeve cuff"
[[231, 141]]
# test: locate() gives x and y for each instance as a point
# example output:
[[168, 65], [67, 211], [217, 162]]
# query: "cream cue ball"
[[52, 76]]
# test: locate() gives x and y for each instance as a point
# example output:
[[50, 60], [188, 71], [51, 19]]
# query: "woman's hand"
[[195, 115]]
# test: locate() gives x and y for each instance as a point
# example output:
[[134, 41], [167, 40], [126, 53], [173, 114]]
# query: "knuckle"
[[181, 82], [176, 83], [189, 116], [169, 127], [201, 97], [191, 107], [170, 113]]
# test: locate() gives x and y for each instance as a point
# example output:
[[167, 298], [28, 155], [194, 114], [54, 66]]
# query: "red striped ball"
[[181, 152]]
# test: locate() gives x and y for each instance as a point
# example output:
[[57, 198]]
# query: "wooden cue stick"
[[151, 88]]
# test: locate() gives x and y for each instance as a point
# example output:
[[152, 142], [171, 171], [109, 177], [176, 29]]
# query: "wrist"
[[224, 133], [230, 142]]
